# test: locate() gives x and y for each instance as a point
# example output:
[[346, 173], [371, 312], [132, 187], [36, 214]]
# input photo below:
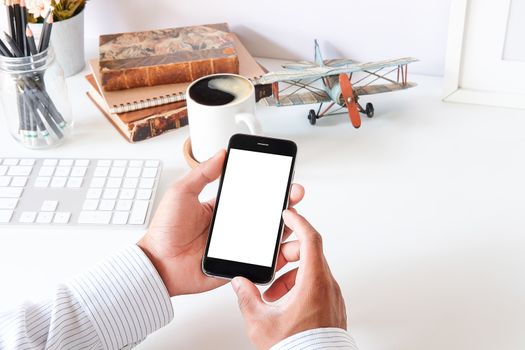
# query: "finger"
[[296, 194], [248, 296], [281, 286], [287, 231], [203, 174], [289, 252], [310, 240]]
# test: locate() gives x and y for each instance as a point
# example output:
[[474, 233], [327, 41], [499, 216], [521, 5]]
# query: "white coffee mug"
[[211, 126]]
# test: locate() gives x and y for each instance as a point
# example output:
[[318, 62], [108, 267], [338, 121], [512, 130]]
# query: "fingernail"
[[236, 284]]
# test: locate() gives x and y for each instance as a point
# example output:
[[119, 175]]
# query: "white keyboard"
[[77, 191]]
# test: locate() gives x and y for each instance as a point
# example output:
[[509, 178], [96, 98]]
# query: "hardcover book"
[[167, 56], [145, 97], [142, 124]]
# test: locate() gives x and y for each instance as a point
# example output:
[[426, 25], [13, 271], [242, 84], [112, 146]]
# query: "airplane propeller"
[[349, 99]]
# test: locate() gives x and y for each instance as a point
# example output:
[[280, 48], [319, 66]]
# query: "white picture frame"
[[476, 71]]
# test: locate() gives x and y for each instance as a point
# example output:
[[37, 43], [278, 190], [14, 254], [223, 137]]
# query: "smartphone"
[[246, 227]]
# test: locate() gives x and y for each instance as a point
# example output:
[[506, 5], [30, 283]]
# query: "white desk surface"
[[421, 211]]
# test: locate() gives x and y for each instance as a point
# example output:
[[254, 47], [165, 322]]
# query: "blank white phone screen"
[[250, 207]]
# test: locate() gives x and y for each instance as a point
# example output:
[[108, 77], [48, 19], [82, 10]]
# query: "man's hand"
[[176, 238], [304, 298]]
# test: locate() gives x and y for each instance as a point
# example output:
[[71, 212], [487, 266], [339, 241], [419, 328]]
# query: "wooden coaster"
[[188, 155]]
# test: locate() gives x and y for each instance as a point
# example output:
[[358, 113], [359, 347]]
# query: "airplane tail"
[[318, 56]]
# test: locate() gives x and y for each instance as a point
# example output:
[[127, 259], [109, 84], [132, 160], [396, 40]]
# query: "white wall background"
[[361, 29]]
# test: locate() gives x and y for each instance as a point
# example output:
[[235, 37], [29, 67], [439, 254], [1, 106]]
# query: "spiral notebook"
[[146, 97]]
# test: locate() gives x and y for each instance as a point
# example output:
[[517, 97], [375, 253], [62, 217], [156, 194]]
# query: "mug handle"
[[251, 122]]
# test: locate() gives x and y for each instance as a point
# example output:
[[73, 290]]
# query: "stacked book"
[[140, 79]]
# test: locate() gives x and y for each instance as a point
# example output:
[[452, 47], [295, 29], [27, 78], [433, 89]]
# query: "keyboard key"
[[114, 182], [74, 182], [49, 206], [81, 162], [58, 182], [94, 217], [50, 162], [11, 192], [138, 213], [5, 216], [130, 183], [149, 172], [79, 171], [94, 193], [98, 182], [90, 204], [117, 172], [19, 170], [44, 217], [133, 172], [46, 171], [66, 162], [120, 218], [62, 217], [42, 181], [11, 161], [120, 163], [19, 181], [9, 203], [136, 163], [110, 193], [62, 171], [101, 172], [147, 183], [144, 194], [27, 217], [3, 170], [5, 180], [127, 193], [152, 163], [122, 204], [27, 162], [106, 204], [104, 162]]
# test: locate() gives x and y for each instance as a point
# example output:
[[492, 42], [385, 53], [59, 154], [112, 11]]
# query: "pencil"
[[46, 33], [18, 23], [10, 16], [23, 25], [4, 50], [31, 41], [14, 46]]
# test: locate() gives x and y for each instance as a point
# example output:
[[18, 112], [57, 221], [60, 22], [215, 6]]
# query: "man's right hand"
[[304, 298]]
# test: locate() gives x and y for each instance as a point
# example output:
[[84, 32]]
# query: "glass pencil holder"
[[35, 100]]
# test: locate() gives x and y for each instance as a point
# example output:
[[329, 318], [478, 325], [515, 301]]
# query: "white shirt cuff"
[[124, 297], [320, 338]]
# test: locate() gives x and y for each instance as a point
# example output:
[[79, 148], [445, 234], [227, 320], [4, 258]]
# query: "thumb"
[[248, 296], [204, 173]]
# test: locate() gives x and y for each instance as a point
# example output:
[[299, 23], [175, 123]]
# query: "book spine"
[[172, 73], [262, 91], [157, 125]]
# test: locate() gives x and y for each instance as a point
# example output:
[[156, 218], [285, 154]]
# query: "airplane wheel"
[[369, 110], [312, 117]]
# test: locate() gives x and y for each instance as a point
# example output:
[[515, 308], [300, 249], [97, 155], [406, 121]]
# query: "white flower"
[[39, 8]]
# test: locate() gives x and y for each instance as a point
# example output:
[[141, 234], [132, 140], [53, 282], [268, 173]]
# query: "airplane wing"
[[337, 62], [380, 88], [303, 98], [300, 65], [319, 72]]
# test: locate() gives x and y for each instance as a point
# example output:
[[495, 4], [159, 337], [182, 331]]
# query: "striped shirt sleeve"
[[320, 338], [115, 305]]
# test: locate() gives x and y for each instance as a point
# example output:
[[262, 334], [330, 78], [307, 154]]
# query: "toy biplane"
[[338, 82]]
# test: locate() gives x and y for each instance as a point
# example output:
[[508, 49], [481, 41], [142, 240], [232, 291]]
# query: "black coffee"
[[219, 90]]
